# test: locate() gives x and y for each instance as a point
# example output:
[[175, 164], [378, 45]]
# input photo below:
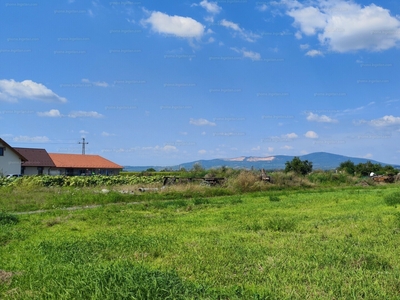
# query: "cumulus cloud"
[[345, 26], [12, 91], [311, 135], [320, 118], [290, 135], [248, 54], [309, 19], [84, 114], [183, 27], [313, 53], [201, 122], [31, 139], [385, 121], [246, 35], [211, 7], [52, 113], [202, 151]]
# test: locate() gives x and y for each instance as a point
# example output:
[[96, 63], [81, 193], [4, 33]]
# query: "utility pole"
[[83, 145]]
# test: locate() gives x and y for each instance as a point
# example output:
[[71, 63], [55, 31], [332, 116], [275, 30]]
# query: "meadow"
[[337, 242]]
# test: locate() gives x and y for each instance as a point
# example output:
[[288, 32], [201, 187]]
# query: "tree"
[[366, 168], [298, 166], [348, 166]]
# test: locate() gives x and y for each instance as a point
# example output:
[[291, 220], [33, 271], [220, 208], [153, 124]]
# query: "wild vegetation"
[[323, 235], [288, 244]]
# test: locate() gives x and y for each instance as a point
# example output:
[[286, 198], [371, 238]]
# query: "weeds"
[[6, 219], [392, 199]]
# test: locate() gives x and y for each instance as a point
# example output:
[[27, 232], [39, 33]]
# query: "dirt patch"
[[5, 277]]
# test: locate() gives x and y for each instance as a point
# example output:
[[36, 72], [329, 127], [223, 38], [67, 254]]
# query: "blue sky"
[[163, 83]]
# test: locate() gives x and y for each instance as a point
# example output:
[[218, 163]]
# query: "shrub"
[[245, 181]]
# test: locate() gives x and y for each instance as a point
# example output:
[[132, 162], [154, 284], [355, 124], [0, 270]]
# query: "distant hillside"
[[320, 160]]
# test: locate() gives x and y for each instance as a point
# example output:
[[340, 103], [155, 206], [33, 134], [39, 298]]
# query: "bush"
[[392, 199], [245, 182], [298, 166]]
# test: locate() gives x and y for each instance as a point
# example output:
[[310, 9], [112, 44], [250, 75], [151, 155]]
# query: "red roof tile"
[[82, 161]]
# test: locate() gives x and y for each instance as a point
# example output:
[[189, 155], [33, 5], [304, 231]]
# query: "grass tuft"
[[392, 199], [6, 219]]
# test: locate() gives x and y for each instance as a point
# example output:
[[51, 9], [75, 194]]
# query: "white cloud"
[[169, 148], [286, 147], [52, 113], [183, 27], [368, 155], [258, 148], [345, 26], [202, 151], [248, 54], [309, 19], [96, 83], [246, 35], [31, 139], [385, 121], [211, 7], [83, 132], [107, 134], [201, 122], [12, 91], [313, 53], [318, 118], [84, 114], [311, 135], [270, 149], [304, 46], [262, 7], [290, 135]]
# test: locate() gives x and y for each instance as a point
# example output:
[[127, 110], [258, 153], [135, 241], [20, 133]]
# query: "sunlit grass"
[[319, 244]]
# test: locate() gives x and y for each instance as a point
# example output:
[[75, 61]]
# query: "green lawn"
[[316, 244]]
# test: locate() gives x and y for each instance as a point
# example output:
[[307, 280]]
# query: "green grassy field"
[[333, 243]]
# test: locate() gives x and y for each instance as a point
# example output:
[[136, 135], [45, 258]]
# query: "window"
[[1, 151]]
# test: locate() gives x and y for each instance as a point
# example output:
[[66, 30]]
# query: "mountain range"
[[320, 160]]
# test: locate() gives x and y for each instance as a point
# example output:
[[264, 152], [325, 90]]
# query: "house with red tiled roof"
[[10, 159], [83, 164], [32, 161], [38, 161]]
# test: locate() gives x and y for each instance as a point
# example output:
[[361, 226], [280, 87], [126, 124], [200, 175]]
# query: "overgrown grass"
[[330, 243]]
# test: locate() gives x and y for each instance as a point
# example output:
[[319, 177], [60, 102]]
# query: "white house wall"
[[10, 163], [34, 171]]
